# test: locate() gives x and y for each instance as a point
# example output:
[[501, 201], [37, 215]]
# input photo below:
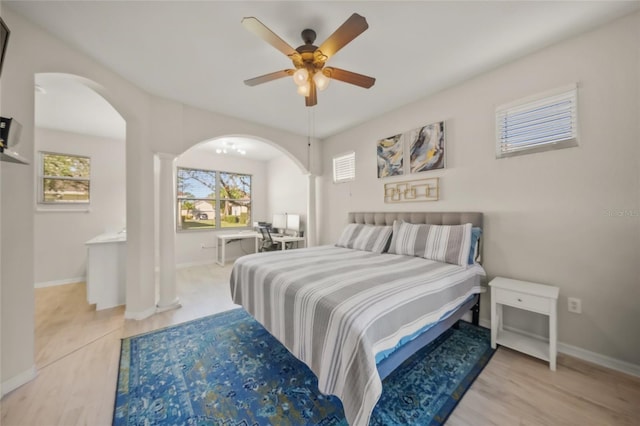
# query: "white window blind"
[[543, 122], [344, 167]]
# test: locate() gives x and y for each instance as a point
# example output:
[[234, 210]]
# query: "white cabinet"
[[106, 270], [539, 298]]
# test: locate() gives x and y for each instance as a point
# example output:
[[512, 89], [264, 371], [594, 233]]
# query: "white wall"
[[60, 252], [189, 249], [287, 189], [545, 214]]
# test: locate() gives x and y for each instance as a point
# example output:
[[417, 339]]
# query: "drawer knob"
[[519, 300]]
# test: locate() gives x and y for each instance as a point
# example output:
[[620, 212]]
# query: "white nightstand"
[[533, 297]]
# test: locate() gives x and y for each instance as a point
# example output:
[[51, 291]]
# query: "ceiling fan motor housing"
[[309, 56], [308, 36]]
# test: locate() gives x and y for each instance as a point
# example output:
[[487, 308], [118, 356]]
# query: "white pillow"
[[443, 243], [365, 237]]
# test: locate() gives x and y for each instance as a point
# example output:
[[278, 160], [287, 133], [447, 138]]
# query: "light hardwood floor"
[[77, 354]]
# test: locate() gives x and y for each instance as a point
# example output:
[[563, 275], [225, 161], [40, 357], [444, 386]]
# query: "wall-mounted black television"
[[4, 39]]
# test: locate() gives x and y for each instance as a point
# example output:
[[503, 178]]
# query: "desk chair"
[[267, 242]]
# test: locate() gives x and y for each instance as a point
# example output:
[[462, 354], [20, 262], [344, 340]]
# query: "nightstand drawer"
[[523, 301]]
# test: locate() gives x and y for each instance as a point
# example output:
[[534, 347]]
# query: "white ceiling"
[[255, 149], [64, 103], [198, 53]]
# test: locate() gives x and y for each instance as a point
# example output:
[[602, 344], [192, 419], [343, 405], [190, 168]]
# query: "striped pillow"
[[365, 237], [444, 243]]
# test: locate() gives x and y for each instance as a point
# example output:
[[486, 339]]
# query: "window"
[[64, 179], [235, 199], [539, 123], [209, 199], [344, 167], [196, 199]]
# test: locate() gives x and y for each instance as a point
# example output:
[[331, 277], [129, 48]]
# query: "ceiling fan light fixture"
[[321, 80], [304, 89], [301, 76]]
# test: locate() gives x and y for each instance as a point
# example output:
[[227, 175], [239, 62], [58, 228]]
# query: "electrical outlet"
[[575, 305]]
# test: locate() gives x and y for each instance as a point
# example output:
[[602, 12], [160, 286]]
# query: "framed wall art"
[[419, 150], [412, 190], [390, 153], [426, 148]]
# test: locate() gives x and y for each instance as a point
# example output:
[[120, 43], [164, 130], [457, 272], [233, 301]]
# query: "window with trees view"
[[208, 199], [65, 179]]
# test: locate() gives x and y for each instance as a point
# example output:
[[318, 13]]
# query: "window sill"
[[226, 229], [61, 209]]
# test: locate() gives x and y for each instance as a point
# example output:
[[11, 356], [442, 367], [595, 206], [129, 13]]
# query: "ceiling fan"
[[310, 73]]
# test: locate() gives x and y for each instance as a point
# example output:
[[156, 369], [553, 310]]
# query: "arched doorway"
[[277, 184], [80, 164], [223, 184]]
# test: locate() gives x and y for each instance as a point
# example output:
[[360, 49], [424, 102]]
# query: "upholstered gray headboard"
[[435, 218]]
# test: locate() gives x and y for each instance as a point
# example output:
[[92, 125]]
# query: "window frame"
[[528, 105], [217, 201], [351, 155], [41, 178]]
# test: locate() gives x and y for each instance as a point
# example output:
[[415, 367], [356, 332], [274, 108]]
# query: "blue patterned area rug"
[[226, 369]]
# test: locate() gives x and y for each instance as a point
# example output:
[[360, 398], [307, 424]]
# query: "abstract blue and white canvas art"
[[426, 149], [390, 156]]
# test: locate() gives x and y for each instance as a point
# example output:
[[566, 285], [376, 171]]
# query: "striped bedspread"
[[335, 308]]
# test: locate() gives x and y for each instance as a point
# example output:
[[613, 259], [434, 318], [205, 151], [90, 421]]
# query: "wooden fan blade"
[[352, 28], [349, 77], [268, 77], [261, 30], [312, 99]]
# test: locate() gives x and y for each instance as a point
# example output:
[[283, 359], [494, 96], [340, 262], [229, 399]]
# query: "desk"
[[222, 243], [284, 239]]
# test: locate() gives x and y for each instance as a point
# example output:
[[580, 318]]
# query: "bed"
[[353, 316]]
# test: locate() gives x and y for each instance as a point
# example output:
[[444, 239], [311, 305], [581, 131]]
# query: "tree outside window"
[[65, 178], [198, 206], [235, 200]]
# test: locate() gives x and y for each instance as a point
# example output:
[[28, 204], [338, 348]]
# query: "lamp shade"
[[321, 80], [304, 89], [301, 76]]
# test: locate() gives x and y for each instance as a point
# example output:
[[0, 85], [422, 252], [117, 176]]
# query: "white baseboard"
[[196, 263], [173, 305], [60, 282], [599, 359], [140, 315], [583, 354], [16, 381]]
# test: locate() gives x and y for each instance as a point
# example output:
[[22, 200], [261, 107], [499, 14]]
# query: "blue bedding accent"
[[385, 354], [475, 236]]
